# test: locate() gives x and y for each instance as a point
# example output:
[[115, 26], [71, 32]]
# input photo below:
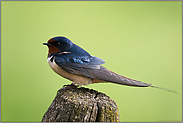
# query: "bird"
[[75, 64]]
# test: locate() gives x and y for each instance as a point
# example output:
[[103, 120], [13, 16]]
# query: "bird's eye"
[[58, 43]]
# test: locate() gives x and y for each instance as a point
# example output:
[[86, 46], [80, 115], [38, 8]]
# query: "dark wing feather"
[[90, 66]]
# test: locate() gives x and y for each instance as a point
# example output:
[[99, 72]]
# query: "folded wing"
[[90, 66]]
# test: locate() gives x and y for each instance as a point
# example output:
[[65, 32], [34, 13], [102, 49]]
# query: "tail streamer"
[[166, 89]]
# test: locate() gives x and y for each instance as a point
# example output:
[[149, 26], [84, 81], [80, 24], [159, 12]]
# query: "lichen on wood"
[[73, 104]]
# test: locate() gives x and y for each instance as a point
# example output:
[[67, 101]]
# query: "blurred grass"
[[140, 40]]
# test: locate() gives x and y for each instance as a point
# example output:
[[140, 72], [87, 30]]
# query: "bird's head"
[[58, 44]]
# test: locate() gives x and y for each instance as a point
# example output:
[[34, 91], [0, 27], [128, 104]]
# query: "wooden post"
[[73, 104]]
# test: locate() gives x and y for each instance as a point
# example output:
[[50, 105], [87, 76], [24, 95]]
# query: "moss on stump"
[[73, 104]]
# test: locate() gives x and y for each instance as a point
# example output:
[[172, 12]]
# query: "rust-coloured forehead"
[[51, 41], [52, 48]]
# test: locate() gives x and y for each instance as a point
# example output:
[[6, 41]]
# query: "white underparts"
[[49, 58], [77, 79]]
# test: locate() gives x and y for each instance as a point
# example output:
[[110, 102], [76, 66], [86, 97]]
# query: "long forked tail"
[[131, 82], [113, 77]]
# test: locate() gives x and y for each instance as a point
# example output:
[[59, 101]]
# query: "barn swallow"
[[74, 63]]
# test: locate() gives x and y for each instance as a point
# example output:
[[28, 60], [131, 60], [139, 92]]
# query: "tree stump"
[[73, 104]]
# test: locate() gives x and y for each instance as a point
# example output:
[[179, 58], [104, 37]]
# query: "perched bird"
[[74, 63]]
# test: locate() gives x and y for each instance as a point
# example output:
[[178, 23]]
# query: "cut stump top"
[[73, 104]]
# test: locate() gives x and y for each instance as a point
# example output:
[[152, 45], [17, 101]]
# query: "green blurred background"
[[140, 40]]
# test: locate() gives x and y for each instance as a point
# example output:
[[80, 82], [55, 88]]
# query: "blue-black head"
[[63, 44], [58, 44]]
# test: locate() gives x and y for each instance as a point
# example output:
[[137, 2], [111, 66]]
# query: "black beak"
[[47, 44]]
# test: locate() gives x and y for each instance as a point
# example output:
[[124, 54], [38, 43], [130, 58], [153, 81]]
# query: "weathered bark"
[[73, 104]]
